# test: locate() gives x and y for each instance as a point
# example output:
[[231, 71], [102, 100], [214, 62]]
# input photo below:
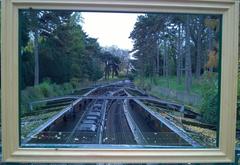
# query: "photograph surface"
[[112, 79]]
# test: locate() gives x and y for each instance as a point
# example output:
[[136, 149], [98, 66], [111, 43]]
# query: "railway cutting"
[[113, 114]]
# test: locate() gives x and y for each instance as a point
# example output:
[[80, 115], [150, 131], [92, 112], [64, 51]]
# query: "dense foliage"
[[211, 100], [54, 47], [180, 46], [44, 90]]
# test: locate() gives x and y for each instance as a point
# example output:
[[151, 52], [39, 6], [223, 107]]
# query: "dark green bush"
[[44, 90], [47, 89], [209, 107]]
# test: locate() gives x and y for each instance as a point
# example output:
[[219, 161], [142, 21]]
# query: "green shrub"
[[209, 107], [144, 83], [74, 82], [47, 89], [44, 90], [58, 90], [67, 88]]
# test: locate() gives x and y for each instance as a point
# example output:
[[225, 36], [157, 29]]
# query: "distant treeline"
[[55, 47], [175, 44]]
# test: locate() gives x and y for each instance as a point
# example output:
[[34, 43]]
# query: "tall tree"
[[200, 30], [188, 62], [179, 53], [64, 51], [43, 23]]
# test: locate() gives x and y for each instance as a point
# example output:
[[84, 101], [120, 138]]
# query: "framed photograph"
[[101, 81]]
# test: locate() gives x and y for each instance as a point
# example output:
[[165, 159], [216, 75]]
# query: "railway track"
[[74, 133], [99, 117], [117, 129]]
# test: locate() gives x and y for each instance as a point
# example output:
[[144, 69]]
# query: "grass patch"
[[171, 82], [202, 98]]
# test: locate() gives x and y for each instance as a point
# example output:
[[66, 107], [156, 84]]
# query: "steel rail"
[[54, 118], [78, 123], [138, 136], [179, 131]]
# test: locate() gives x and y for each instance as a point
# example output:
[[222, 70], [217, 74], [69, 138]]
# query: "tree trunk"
[[112, 71], [179, 54], [209, 42], [157, 59], [199, 49], [164, 59], [182, 56], [188, 64], [154, 64], [165, 63], [128, 67], [36, 58]]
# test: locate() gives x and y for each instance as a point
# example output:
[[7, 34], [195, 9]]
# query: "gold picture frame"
[[12, 152]]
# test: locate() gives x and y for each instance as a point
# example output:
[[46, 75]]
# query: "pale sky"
[[110, 28]]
